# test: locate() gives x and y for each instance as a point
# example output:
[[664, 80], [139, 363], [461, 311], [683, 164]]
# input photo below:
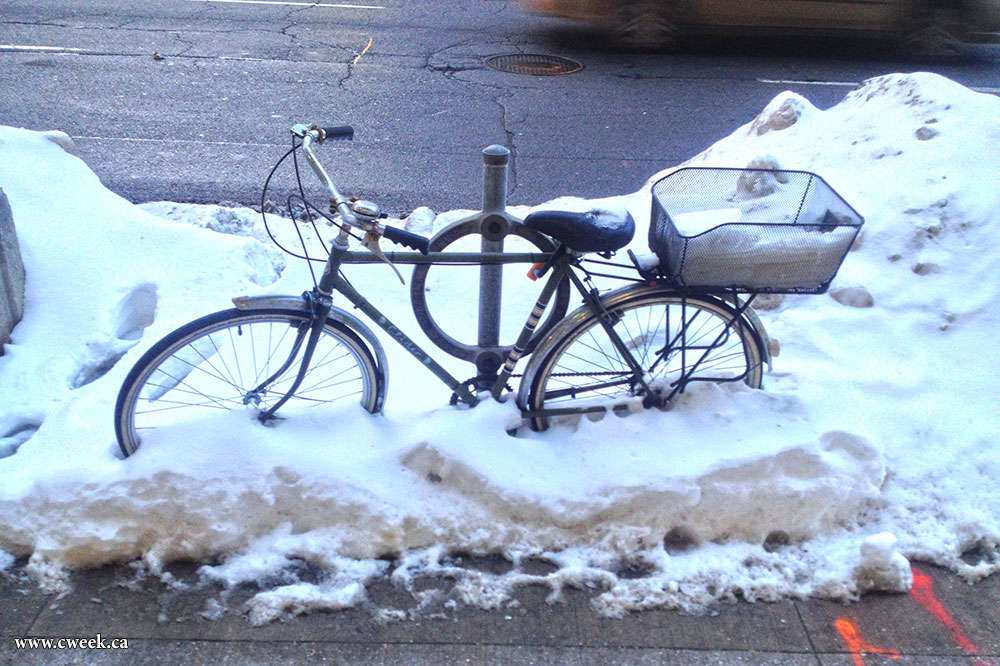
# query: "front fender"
[[336, 314]]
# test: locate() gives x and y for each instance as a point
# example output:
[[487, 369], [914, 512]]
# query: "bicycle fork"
[[320, 308], [320, 301]]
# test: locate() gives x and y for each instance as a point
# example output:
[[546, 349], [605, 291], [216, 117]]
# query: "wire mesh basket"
[[749, 230]]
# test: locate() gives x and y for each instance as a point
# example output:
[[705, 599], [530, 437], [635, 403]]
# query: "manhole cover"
[[533, 64]]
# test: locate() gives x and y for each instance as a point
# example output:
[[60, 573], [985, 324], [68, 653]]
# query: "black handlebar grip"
[[408, 239], [345, 132]]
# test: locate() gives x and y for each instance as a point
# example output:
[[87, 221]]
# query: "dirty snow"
[[873, 441]]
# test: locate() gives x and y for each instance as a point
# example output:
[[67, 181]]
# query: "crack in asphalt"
[[458, 62], [189, 44], [35, 24], [510, 143], [449, 71], [501, 98]]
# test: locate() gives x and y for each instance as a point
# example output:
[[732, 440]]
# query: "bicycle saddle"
[[595, 230]]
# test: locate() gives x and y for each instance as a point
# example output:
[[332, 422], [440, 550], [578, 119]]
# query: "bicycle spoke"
[[236, 357], [181, 388], [194, 366], [214, 404], [598, 350], [218, 354], [672, 339], [328, 382], [316, 402], [273, 351], [326, 361], [573, 390], [180, 382], [222, 368]]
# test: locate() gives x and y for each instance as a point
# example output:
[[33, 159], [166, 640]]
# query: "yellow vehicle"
[[926, 24]]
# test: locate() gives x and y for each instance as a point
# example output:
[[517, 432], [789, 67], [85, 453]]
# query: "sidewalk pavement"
[[942, 621]]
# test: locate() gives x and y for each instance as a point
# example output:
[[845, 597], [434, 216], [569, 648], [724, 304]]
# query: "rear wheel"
[[236, 359], [667, 334]]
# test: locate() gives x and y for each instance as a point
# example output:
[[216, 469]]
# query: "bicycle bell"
[[366, 210]]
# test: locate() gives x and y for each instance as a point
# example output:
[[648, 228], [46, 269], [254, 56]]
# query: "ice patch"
[[854, 297], [292, 600], [50, 575], [264, 264], [221, 219], [882, 567]]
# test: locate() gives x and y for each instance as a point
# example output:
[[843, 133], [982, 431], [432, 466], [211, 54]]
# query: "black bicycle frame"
[[332, 281]]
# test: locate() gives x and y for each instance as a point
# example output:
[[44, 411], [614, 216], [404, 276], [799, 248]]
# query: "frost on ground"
[[872, 442]]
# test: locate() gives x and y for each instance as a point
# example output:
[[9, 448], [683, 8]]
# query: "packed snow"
[[873, 442]]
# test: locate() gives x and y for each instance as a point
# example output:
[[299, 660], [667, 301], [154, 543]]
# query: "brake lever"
[[370, 242]]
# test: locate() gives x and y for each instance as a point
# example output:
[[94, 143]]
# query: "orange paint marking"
[[857, 645], [923, 592]]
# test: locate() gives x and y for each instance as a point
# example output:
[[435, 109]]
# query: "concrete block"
[[11, 274]]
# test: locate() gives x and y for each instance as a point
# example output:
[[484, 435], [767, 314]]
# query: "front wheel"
[[239, 359], [675, 339]]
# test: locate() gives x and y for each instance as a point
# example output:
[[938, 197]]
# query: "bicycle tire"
[[214, 363], [581, 368]]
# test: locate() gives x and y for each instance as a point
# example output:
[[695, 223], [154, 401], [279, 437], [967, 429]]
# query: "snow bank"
[[870, 444]]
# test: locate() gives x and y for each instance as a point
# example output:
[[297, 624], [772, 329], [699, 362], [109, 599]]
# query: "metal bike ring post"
[[494, 225]]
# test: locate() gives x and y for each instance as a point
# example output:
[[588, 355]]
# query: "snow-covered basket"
[[750, 230]]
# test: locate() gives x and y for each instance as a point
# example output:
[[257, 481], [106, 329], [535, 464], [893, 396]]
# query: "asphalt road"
[[190, 100]]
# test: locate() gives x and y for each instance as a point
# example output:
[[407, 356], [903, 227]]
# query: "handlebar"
[[340, 132], [311, 134], [407, 239]]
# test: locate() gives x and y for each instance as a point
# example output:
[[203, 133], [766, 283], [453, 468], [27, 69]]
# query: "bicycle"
[[684, 316]]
